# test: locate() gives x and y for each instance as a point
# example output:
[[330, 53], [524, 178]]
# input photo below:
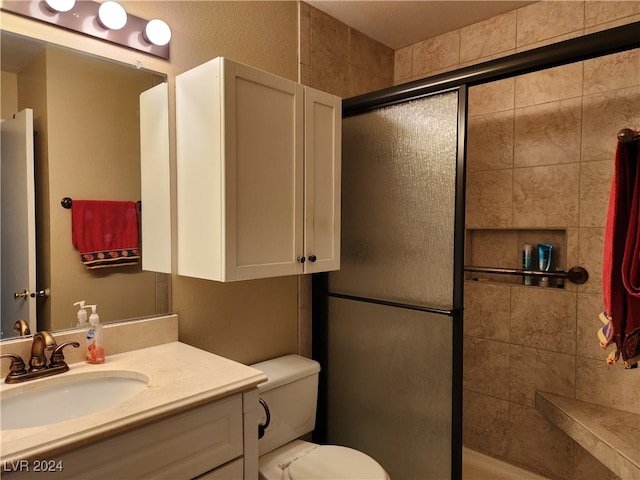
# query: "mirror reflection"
[[85, 114]]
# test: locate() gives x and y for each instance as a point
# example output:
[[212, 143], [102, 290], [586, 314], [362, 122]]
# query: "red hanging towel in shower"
[[621, 260], [105, 232]]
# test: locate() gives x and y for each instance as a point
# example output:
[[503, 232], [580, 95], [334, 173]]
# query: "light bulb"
[[157, 32], [60, 5], [112, 15]]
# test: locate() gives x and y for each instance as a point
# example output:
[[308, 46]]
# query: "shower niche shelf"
[[502, 248]]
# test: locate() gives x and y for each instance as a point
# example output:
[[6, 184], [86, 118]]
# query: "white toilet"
[[291, 394]]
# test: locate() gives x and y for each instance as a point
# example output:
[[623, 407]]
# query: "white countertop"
[[180, 377]]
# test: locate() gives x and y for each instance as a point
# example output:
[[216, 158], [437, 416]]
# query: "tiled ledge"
[[611, 436]]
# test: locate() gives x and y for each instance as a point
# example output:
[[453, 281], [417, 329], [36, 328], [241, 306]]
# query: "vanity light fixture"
[[112, 15], [60, 5], [157, 32], [106, 20]]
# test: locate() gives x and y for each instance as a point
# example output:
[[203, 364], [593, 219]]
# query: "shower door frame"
[[606, 42]]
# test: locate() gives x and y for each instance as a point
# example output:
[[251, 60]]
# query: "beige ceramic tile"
[[595, 187], [436, 53], [604, 115], [546, 196], [599, 12], [612, 24], [493, 248], [533, 369], [304, 291], [611, 385], [490, 141], [304, 74], [492, 97], [557, 83], [365, 52], [612, 72], [489, 199], [537, 445], [547, 134], [329, 74], [488, 58], [403, 65], [486, 419], [543, 318], [546, 20], [329, 35], [588, 467], [486, 367], [361, 80], [387, 61], [591, 243], [589, 307], [490, 37], [550, 41], [304, 37], [304, 332], [573, 251], [487, 311]]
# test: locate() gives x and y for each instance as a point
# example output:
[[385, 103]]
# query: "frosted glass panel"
[[389, 377], [398, 198]]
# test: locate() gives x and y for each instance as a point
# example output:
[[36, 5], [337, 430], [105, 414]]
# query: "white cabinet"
[[208, 440], [258, 174]]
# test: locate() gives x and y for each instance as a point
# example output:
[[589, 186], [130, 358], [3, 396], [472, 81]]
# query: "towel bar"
[[577, 275], [67, 202]]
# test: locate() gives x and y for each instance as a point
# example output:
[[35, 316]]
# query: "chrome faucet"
[[38, 367]]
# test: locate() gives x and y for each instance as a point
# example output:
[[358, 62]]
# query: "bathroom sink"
[[65, 397]]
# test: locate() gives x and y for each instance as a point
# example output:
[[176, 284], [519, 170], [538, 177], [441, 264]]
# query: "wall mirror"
[[85, 112]]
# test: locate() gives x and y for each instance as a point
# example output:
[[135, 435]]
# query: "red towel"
[[621, 261], [105, 232]]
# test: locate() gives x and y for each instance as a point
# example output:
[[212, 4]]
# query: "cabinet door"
[[264, 174], [323, 146], [239, 136]]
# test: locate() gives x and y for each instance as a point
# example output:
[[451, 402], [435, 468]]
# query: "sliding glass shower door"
[[393, 311]]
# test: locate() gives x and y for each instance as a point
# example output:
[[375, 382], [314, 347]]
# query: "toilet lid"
[[335, 463]]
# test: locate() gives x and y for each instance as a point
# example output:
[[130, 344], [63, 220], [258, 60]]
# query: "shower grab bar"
[[626, 135], [577, 275]]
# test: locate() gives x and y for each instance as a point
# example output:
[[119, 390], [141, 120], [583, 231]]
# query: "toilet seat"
[[336, 463], [300, 460]]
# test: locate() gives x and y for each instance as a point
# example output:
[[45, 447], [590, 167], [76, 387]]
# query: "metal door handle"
[[40, 293]]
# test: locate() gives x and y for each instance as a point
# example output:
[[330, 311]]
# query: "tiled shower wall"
[[540, 161]]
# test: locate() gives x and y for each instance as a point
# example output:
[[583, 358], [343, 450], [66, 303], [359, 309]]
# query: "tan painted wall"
[[245, 321], [8, 94]]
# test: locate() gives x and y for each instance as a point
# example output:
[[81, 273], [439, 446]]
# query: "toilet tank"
[[291, 393]]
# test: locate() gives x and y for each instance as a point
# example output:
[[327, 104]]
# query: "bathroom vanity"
[[196, 416]]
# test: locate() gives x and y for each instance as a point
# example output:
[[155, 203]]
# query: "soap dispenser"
[[94, 352], [81, 315]]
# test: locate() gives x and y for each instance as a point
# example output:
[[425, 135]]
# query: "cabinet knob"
[[312, 258], [301, 259]]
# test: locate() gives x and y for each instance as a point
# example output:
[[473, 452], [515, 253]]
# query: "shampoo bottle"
[[527, 264], [81, 315], [94, 352]]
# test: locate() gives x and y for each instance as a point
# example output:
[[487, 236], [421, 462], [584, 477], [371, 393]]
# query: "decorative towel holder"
[[67, 203], [627, 135], [577, 275]]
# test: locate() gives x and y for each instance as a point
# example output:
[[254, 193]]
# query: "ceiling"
[[399, 23]]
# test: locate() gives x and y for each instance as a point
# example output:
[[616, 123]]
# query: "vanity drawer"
[[181, 446]]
